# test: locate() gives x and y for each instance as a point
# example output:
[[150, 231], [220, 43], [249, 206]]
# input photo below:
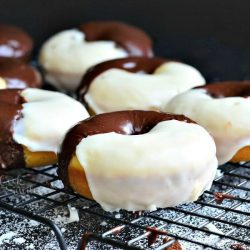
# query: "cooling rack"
[[35, 209]]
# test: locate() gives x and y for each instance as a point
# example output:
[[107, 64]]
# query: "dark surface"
[[211, 35]]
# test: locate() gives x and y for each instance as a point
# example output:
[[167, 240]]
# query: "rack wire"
[[37, 197]]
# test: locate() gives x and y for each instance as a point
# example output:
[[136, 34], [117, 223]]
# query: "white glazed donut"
[[33, 123], [138, 160], [67, 55], [46, 117], [136, 83], [224, 110]]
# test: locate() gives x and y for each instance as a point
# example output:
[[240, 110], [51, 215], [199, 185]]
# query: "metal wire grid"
[[185, 224]]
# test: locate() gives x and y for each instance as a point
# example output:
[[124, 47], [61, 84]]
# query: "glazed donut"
[[135, 83], [15, 45], [33, 123], [66, 56], [223, 108], [19, 75], [157, 167]]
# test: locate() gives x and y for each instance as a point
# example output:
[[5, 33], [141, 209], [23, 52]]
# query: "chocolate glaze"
[[154, 233], [134, 40], [122, 122], [220, 197], [227, 89], [11, 96], [20, 75], [15, 44], [11, 153], [238, 246], [84, 241], [130, 64], [174, 246]]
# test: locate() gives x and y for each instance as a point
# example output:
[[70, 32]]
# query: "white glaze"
[[172, 164], [47, 116], [66, 56], [117, 89], [226, 119]]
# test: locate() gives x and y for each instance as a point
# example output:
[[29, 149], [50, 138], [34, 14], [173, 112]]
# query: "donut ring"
[[124, 124], [67, 55], [227, 106], [15, 44], [113, 85], [20, 146], [20, 76], [135, 41]]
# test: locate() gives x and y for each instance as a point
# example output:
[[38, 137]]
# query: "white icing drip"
[[172, 164], [66, 56], [117, 89], [226, 119], [47, 116]]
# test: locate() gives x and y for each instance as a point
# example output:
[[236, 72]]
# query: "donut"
[[15, 44], [137, 160], [223, 108], [135, 83], [33, 123], [19, 76], [67, 55]]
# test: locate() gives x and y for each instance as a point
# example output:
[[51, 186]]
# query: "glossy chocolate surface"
[[135, 41], [11, 153], [131, 64], [228, 89], [122, 122], [20, 75], [15, 44]]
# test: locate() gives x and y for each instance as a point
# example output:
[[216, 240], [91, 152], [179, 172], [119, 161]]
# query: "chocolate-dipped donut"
[[67, 55], [28, 135], [223, 108], [145, 132], [19, 75], [135, 83], [15, 44]]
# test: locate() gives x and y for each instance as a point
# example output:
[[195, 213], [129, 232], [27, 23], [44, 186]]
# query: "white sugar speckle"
[[103, 223], [63, 230], [73, 215], [33, 223], [118, 216], [19, 240], [7, 236], [30, 247]]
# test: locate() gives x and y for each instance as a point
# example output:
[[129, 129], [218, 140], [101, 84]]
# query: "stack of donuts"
[[127, 129]]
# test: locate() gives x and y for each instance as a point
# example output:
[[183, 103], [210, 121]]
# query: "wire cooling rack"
[[35, 209]]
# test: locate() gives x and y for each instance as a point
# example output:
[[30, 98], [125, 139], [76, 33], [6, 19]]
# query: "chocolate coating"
[[135, 41], [11, 153], [20, 75], [228, 89], [15, 44], [131, 64], [122, 122]]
